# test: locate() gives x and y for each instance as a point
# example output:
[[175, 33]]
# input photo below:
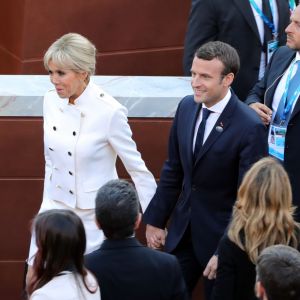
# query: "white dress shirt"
[[216, 111], [281, 86], [260, 26]]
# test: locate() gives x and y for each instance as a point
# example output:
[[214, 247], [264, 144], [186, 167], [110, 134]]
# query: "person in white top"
[[59, 272], [85, 129]]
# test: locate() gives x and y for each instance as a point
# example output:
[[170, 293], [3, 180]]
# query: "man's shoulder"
[[284, 50], [246, 114], [187, 100], [93, 257], [165, 260], [282, 55]]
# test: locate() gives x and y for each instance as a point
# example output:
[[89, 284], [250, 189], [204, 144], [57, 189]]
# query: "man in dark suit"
[[237, 23], [278, 273], [279, 87], [205, 164], [124, 268]]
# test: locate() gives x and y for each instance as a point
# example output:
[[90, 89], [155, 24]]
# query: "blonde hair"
[[263, 213], [72, 51]]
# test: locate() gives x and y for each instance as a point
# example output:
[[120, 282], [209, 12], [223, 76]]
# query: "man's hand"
[[264, 112], [211, 269], [155, 237]]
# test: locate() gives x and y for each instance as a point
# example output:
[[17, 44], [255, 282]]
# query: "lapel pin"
[[219, 128]]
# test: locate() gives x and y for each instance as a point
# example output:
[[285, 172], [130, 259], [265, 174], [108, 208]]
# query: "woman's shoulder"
[[105, 99], [65, 286]]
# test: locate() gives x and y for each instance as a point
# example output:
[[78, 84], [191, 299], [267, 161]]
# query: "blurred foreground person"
[[278, 273], [262, 216], [59, 272], [125, 269]]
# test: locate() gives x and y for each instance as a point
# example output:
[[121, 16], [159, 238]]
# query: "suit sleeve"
[[120, 138], [254, 146], [225, 283], [170, 185], [202, 28], [257, 93]]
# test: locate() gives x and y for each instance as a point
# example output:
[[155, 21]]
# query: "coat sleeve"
[[225, 284], [120, 138], [170, 184], [254, 146], [257, 93]]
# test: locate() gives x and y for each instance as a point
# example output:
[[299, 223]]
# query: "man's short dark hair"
[[223, 52], [278, 270], [117, 208]]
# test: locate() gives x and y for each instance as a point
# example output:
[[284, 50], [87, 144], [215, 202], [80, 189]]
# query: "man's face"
[[208, 83], [293, 30]]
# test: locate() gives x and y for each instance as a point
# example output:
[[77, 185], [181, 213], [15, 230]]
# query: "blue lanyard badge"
[[292, 5], [264, 17], [288, 106]]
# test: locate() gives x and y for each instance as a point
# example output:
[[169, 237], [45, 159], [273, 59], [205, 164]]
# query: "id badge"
[[276, 141], [272, 46]]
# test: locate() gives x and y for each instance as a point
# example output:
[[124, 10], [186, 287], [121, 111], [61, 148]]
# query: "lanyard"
[[292, 4], [294, 97], [264, 17]]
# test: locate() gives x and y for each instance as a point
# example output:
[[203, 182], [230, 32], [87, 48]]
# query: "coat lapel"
[[246, 10], [219, 128]]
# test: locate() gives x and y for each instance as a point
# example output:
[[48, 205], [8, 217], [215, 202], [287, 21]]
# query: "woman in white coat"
[[85, 129], [59, 265]]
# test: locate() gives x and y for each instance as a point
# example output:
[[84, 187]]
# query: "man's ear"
[[260, 291], [228, 79], [97, 223], [138, 221]]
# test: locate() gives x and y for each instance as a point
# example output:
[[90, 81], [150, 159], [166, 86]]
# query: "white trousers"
[[94, 236]]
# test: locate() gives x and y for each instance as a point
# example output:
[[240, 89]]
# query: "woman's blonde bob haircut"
[[263, 213], [74, 52]]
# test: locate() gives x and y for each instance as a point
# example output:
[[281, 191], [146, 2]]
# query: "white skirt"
[[94, 236]]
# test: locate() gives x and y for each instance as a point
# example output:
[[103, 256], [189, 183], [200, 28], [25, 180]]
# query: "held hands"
[[264, 112], [155, 237], [211, 269]]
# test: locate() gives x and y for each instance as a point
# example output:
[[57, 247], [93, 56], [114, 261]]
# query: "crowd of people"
[[226, 205]]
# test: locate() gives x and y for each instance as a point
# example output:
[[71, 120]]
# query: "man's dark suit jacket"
[[126, 270], [263, 92], [203, 193], [233, 22]]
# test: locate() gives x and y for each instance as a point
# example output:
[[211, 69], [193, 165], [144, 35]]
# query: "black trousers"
[[191, 268]]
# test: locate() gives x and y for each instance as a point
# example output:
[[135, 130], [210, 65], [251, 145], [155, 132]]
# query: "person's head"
[[117, 209], [61, 241], [263, 211], [70, 61], [278, 273], [293, 30], [214, 67]]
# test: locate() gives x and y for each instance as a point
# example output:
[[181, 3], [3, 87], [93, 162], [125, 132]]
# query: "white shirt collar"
[[219, 107]]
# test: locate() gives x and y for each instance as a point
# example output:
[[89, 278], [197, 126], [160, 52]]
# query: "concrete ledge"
[[144, 96]]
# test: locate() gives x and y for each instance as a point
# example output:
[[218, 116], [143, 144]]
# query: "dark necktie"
[[268, 36], [201, 130], [293, 85]]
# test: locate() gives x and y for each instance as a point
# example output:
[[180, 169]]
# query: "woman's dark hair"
[[61, 242]]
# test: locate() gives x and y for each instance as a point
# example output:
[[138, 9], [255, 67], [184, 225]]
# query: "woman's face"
[[68, 84]]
